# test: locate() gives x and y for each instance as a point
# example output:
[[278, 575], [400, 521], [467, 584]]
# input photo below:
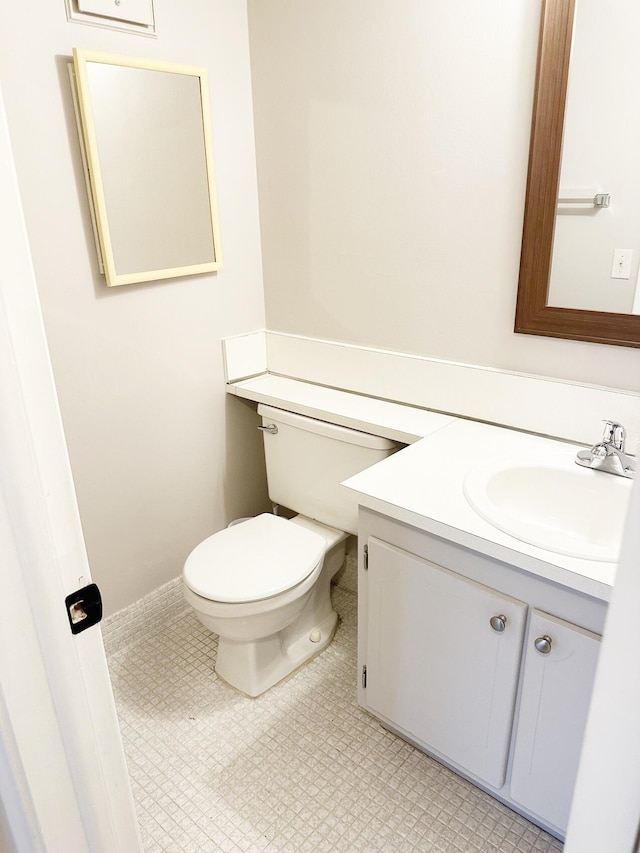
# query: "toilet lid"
[[253, 560]]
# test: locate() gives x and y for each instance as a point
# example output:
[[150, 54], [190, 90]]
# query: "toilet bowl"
[[264, 586]]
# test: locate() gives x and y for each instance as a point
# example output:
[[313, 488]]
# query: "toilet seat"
[[258, 559]]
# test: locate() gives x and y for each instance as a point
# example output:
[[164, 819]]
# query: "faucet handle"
[[614, 433]]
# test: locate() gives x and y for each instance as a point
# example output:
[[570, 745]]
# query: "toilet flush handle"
[[272, 428]]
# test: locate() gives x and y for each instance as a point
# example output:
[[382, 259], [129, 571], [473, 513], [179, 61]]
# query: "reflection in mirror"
[[596, 248], [580, 258], [146, 132]]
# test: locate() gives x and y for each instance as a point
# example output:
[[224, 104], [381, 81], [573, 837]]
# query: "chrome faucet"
[[609, 454]]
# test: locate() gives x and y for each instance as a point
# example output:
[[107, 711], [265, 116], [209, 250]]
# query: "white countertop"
[[422, 485]]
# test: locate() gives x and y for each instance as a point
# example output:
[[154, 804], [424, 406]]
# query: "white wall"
[[392, 141], [160, 457]]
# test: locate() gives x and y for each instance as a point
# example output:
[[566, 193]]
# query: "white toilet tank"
[[307, 459]]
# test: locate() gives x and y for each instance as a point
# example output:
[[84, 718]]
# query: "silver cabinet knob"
[[498, 623], [543, 644]]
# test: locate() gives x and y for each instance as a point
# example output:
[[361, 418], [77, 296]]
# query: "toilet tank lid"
[[320, 427], [254, 560]]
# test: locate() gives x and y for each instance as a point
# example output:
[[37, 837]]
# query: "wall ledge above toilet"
[[371, 388]]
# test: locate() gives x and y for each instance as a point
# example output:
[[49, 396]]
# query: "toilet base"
[[252, 668]]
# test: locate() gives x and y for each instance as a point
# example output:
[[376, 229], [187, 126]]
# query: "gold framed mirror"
[[534, 315], [147, 137]]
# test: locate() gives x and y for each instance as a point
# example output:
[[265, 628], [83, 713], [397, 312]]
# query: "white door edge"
[[605, 813], [43, 560]]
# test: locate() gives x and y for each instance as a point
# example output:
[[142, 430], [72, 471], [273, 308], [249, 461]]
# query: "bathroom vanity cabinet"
[[486, 667]]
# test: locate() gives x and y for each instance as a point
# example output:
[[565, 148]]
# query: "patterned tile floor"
[[301, 768]]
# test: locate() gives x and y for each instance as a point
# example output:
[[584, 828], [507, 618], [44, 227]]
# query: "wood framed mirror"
[[534, 315], [147, 138]]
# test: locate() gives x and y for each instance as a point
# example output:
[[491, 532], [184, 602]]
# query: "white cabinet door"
[[435, 667], [556, 691]]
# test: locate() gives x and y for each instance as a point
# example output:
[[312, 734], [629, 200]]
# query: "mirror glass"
[[147, 140], [581, 237], [596, 247]]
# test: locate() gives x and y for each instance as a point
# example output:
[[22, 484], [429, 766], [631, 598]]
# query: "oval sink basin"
[[553, 504]]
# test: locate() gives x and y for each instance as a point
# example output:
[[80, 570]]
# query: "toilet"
[[264, 585]]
